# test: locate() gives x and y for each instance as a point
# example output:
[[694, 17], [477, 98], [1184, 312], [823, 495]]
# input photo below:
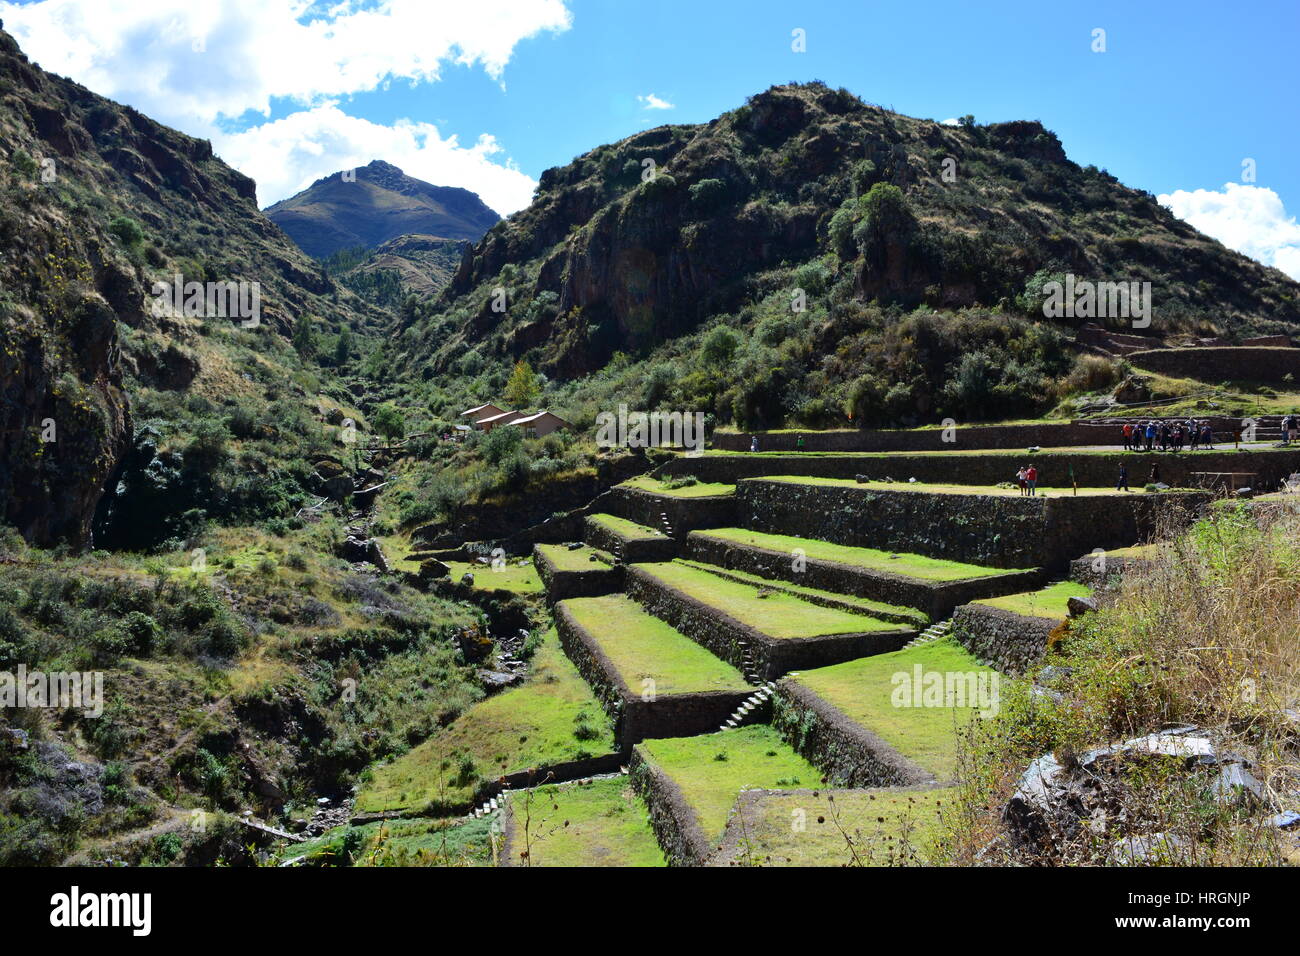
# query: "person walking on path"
[[1123, 478], [798, 443], [1151, 435], [1031, 480], [1128, 436], [753, 443]]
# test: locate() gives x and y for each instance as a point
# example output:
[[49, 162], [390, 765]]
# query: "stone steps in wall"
[[756, 708], [932, 633]]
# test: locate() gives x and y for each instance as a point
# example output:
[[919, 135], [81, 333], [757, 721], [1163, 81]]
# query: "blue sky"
[[488, 94]]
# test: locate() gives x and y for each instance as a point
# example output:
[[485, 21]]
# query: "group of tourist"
[[1290, 428], [1164, 435], [1027, 479]]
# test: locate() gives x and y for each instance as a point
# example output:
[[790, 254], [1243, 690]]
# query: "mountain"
[[97, 203], [638, 248], [379, 204]]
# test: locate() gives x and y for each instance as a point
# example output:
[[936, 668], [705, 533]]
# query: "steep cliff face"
[[641, 241], [97, 203]]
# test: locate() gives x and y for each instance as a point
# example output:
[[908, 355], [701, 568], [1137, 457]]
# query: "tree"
[[387, 421], [719, 347], [522, 389], [343, 347], [304, 337]]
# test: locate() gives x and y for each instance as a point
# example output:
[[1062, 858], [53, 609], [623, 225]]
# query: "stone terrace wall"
[[1223, 364], [1009, 642], [560, 585], [968, 436], [635, 550], [849, 754], [1000, 531], [675, 824], [1092, 470], [636, 719], [934, 598], [684, 514]]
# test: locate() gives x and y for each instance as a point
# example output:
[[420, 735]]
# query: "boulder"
[[1078, 606], [432, 569]]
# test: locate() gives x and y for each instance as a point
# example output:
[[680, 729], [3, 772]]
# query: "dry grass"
[[1206, 634]]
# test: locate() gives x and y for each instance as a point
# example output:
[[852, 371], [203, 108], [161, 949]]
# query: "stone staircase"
[[756, 708], [934, 632]]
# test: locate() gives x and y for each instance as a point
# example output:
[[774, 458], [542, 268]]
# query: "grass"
[[712, 769], [779, 615], [879, 827], [1134, 551], [578, 559], [450, 842], [642, 647], [1050, 601], [519, 578], [890, 612], [867, 691], [536, 725], [921, 487], [908, 565], [600, 823], [627, 530], [699, 490], [1207, 635]]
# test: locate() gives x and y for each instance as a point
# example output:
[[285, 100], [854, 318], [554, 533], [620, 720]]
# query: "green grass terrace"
[[585, 558], [870, 692], [778, 614], [712, 769], [1048, 602], [893, 562], [627, 530], [641, 647], [597, 823], [877, 827], [657, 486]]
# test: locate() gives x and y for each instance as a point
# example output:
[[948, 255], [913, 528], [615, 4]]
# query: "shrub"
[[129, 232], [708, 194], [388, 421]]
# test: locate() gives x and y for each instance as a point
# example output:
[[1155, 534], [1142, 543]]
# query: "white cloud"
[[144, 51], [1250, 219], [950, 122], [200, 65], [651, 102], [289, 154]]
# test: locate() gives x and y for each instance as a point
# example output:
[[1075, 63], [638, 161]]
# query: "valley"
[[357, 600]]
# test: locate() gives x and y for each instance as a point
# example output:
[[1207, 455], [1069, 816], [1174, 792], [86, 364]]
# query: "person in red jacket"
[[1031, 479]]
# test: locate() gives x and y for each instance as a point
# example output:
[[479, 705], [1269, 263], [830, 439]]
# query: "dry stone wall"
[[849, 754], [1009, 642], [1000, 531]]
